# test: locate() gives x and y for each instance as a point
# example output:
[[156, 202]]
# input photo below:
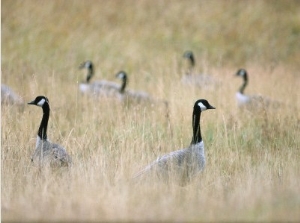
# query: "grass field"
[[253, 168]]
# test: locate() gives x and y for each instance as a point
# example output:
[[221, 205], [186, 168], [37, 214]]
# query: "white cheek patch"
[[87, 64], [121, 75], [202, 106], [242, 73], [41, 102]]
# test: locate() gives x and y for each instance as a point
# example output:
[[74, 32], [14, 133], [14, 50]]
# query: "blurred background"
[[137, 35]]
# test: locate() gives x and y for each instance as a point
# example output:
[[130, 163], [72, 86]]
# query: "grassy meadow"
[[253, 158]]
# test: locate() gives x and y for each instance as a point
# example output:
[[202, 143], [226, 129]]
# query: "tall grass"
[[253, 169]]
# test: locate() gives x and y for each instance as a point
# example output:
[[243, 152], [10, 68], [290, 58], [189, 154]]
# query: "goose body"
[[182, 165], [251, 101], [191, 79], [46, 152], [97, 88], [8, 96]]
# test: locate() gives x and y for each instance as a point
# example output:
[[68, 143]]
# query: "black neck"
[[123, 86], [196, 127], [90, 73], [191, 65], [192, 60], [242, 88], [42, 133]]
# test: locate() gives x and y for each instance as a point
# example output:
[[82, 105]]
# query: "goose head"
[[89, 66], [242, 73], [121, 75], [202, 105], [190, 56], [39, 101]]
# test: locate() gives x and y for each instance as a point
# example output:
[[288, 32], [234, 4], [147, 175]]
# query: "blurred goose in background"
[[8, 96], [136, 96], [251, 101], [125, 94], [201, 80], [46, 152], [98, 88], [182, 165]]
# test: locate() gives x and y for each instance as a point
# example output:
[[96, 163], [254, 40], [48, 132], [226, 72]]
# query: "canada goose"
[[251, 101], [46, 152], [182, 165], [130, 94], [98, 88], [126, 95], [8, 96], [137, 96], [202, 80]]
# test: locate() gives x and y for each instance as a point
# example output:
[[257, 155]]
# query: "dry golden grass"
[[253, 168]]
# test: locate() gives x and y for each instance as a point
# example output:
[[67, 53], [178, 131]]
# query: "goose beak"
[[31, 103], [211, 107], [81, 66]]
